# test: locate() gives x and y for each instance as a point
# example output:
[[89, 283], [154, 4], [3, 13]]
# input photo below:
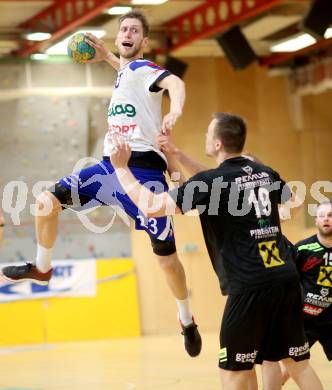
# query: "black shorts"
[[266, 324], [319, 329]]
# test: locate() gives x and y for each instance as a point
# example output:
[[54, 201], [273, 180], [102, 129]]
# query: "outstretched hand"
[[121, 153]]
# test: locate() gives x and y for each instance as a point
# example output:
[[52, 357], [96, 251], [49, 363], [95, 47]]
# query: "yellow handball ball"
[[79, 50]]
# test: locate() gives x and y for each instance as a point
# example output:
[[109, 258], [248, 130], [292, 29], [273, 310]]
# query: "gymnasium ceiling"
[[263, 22]]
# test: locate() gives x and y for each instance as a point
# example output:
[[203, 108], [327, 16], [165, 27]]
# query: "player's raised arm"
[[191, 165], [176, 174], [291, 207], [150, 204], [177, 94], [102, 51]]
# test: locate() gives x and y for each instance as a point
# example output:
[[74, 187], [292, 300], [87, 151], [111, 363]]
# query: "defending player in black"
[[238, 206]]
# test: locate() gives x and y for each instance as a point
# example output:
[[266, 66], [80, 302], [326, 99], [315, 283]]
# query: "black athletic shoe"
[[27, 271], [192, 339]]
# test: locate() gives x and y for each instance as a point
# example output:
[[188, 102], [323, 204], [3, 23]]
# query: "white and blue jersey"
[[134, 112], [135, 107]]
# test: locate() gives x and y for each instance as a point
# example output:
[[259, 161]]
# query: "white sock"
[[185, 314], [44, 258]]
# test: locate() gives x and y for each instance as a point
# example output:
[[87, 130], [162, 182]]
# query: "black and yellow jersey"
[[314, 263], [238, 207]]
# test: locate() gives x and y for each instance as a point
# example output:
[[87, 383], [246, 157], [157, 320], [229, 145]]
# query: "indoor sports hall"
[[107, 319]]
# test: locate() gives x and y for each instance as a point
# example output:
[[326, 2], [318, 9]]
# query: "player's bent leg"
[[303, 374], [171, 265], [47, 210], [238, 380], [176, 279], [175, 275], [271, 375]]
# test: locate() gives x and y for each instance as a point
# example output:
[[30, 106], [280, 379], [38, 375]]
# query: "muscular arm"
[[150, 204], [113, 60], [191, 165], [177, 94], [174, 170], [172, 151]]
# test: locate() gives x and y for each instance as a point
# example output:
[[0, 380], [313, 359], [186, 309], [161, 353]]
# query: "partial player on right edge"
[[314, 264]]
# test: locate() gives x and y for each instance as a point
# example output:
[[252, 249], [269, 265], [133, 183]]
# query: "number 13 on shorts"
[[149, 224]]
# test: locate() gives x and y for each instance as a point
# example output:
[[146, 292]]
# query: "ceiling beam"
[[212, 17], [59, 19], [26, 1], [280, 58]]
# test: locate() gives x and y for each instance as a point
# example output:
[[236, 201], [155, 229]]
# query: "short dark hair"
[[137, 14], [231, 130]]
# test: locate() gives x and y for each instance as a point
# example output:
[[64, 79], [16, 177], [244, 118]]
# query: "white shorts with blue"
[[98, 185]]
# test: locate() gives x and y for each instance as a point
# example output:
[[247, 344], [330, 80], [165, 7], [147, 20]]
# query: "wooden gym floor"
[[145, 363]]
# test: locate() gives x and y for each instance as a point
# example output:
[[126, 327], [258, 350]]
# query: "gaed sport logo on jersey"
[[270, 254], [325, 276]]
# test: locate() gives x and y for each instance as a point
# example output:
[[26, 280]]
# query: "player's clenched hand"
[[164, 141], [169, 122], [121, 153]]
